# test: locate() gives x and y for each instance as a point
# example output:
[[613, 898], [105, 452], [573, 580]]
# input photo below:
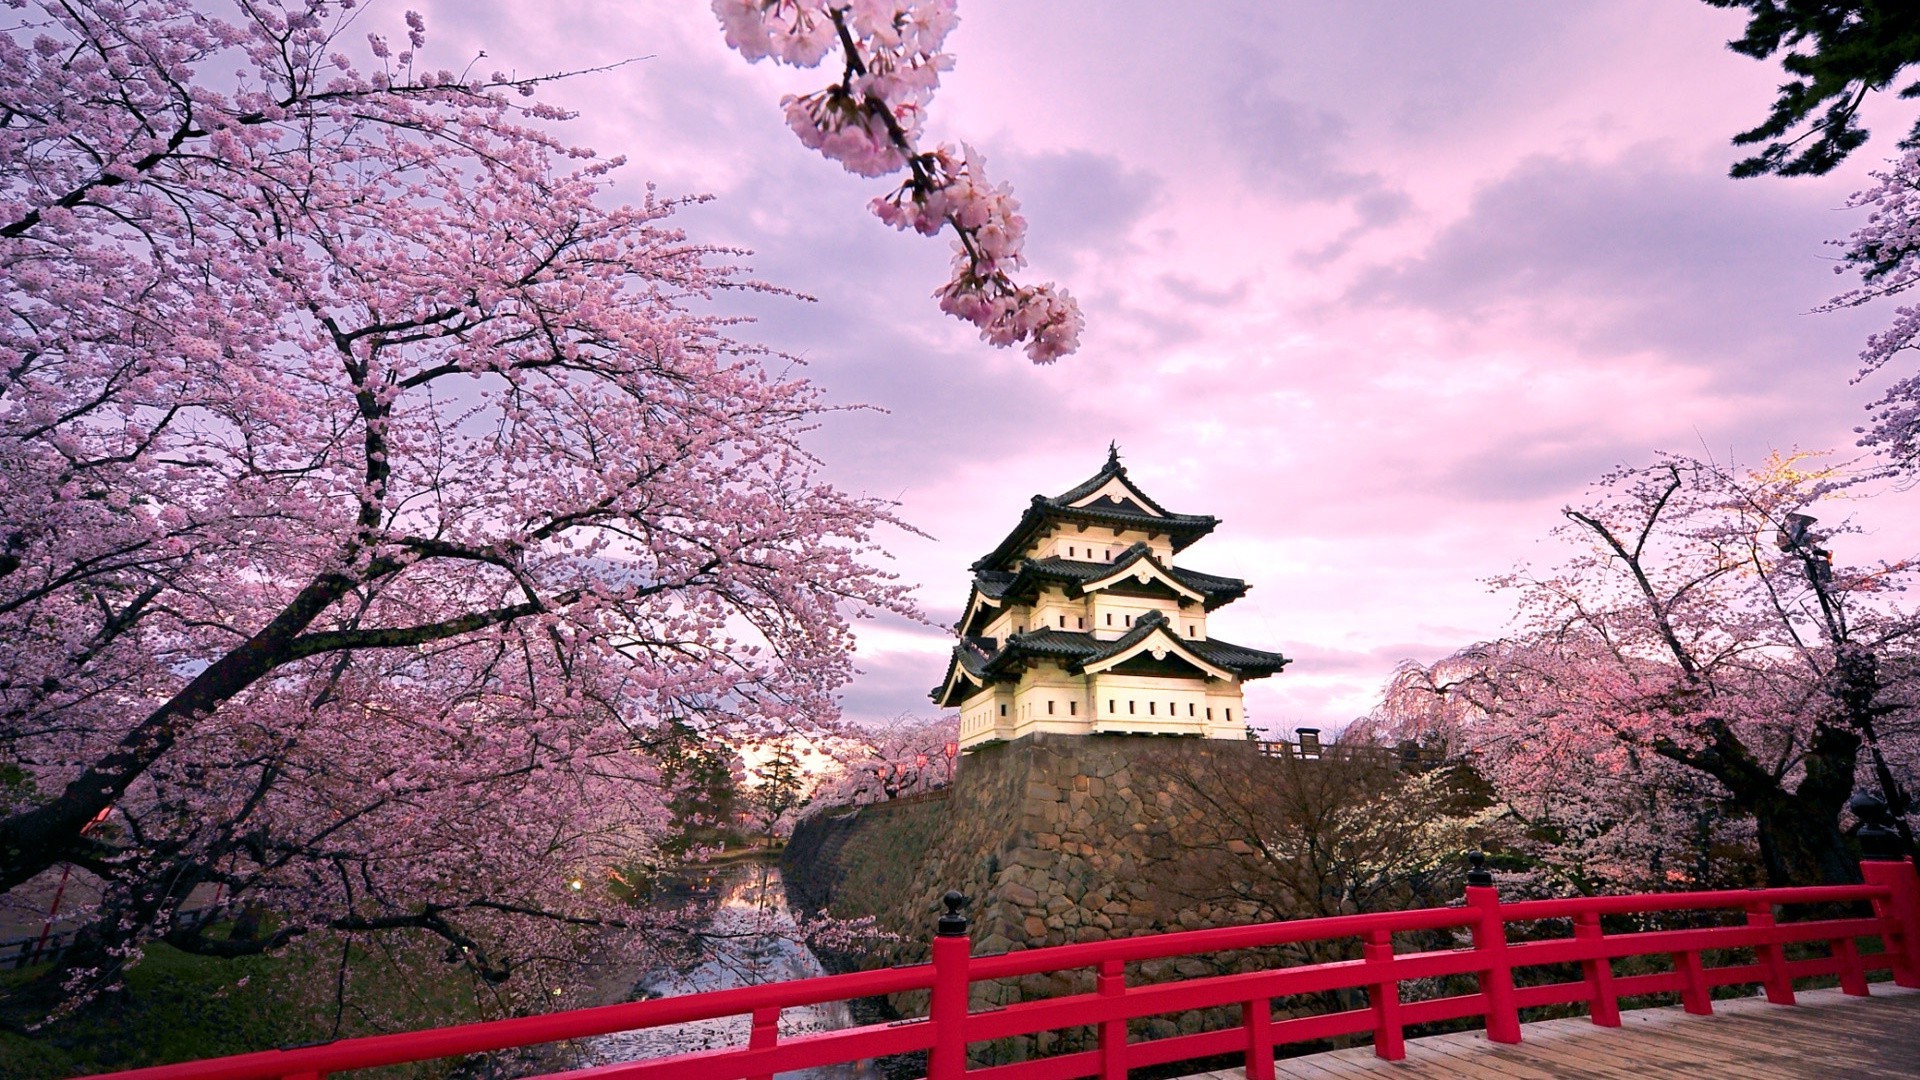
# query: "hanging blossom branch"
[[1885, 252], [870, 121]]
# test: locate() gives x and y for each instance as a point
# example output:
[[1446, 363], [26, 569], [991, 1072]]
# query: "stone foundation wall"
[[1056, 838]]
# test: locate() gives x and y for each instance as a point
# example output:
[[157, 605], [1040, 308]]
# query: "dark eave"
[[980, 658], [993, 583], [1034, 574], [1112, 470], [1183, 529], [1138, 513], [969, 656]]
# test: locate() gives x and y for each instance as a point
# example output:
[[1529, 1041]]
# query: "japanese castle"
[[1080, 623]]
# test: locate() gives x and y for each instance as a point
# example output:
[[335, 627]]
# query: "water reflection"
[[751, 940]]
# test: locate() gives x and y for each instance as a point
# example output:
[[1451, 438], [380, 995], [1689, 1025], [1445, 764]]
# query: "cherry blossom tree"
[[1587, 811], [870, 120], [1701, 668], [368, 493], [907, 755]]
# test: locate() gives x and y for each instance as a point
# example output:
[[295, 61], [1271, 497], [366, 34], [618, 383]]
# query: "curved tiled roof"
[[1122, 514], [985, 659], [993, 583], [1073, 573]]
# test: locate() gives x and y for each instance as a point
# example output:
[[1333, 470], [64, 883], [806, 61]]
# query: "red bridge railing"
[[1892, 889]]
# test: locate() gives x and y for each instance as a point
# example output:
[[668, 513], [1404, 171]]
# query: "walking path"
[[1827, 1036]]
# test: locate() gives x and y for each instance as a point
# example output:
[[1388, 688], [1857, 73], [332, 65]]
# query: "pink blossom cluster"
[[1885, 252], [871, 120]]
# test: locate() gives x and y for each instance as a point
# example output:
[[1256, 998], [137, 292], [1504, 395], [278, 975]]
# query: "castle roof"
[[980, 660], [1122, 506], [1135, 570]]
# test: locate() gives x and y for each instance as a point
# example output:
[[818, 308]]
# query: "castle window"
[[1069, 553], [1110, 707], [1229, 716], [1073, 708], [1129, 706], [1190, 629], [1189, 708], [1003, 710], [1129, 620], [1109, 618], [1209, 712], [1080, 622], [1150, 709], [1049, 706]]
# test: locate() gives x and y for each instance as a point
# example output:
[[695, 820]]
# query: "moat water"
[[751, 939]]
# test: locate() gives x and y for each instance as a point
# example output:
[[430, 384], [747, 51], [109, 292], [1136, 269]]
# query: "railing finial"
[[1477, 872], [1878, 840], [953, 924]]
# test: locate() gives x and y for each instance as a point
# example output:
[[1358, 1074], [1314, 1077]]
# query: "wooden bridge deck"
[[1827, 1036]]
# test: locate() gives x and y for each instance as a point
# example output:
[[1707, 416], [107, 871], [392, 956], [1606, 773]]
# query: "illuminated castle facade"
[[1080, 623]]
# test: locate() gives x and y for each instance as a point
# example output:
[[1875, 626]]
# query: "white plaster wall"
[[1112, 616], [987, 715], [1149, 704]]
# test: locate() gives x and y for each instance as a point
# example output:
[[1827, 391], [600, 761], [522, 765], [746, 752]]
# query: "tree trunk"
[[1801, 844], [1799, 829]]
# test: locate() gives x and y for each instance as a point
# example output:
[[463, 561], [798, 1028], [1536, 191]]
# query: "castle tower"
[[1080, 623]]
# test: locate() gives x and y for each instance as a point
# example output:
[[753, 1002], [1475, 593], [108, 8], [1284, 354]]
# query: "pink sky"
[[1382, 285]]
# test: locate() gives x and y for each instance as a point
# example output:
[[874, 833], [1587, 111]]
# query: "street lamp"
[[1795, 536], [1855, 675]]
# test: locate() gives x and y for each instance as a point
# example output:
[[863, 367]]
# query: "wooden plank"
[[1826, 1035], [1470, 1054], [1578, 1048]]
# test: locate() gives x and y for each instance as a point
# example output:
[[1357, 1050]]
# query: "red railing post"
[[947, 1010], [764, 1034], [1695, 996], [1257, 1017], [1383, 993], [1779, 984], [1902, 909], [1112, 982], [1490, 939], [1853, 977], [1604, 1007]]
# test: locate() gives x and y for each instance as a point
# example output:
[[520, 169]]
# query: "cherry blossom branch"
[[870, 121]]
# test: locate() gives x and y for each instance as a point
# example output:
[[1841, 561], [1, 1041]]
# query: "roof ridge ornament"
[[1113, 455]]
